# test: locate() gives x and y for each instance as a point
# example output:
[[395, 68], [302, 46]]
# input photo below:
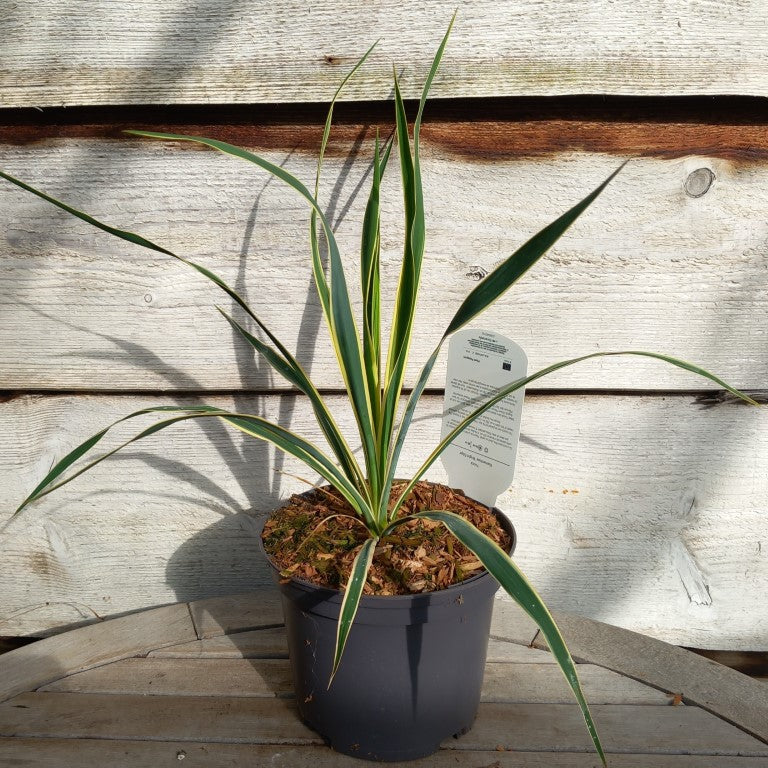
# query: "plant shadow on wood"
[[256, 490], [196, 569]]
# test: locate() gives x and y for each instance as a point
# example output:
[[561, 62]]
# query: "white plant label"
[[481, 459]]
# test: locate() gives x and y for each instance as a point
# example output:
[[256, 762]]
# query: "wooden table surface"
[[207, 684]]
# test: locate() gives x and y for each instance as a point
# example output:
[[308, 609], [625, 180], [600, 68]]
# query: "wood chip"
[[421, 555]]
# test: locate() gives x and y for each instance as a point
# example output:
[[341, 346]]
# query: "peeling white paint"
[[690, 574]]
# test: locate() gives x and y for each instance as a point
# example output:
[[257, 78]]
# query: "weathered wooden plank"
[[289, 51], [505, 652], [218, 616], [36, 664], [605, 487], [504, 682], [258, 644], [271, 643], [77, 715], [536, 683], [648, 266], [183, 677], [627, 728], [701, 681], [93, 753]]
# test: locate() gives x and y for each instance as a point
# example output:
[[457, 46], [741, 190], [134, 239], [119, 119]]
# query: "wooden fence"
[[639, 496]]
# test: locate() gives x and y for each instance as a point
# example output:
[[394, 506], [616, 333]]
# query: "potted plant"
[[390, 697]]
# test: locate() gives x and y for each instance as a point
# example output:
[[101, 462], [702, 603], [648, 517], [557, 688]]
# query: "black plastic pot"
[[411, 673]]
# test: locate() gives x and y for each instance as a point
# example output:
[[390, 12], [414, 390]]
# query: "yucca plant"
[[374, 382]]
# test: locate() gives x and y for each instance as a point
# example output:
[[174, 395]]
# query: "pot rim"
[[333, 593]]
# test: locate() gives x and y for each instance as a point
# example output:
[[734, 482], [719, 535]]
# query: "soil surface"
[[317, 535]]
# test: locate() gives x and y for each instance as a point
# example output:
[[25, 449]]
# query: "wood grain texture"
[[95, 753], [649, 266], [544, 683], [536, 727], [290, 51], [504, 682], [49, 659], [629, 728], [271, 644], [184, 677], [218, 616], [605, 486], [257, 644], [730, 695], [243, 720]]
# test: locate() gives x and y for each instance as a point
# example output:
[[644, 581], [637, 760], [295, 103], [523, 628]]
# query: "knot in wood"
[[699, 182], [477, 272]]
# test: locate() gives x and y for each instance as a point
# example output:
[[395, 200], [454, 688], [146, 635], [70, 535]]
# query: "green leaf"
[[413, 196], [302, 449], [337, 443], [121, 233], [512, 269], [352, 594], [329, 115], [371, 286], [63, 464], [519, 383], [321, 283], [405, 298], [343, 330], [290, 370], [250, 424], [340, 332], [402, 432], [491, 288], [504, 570], [410, 273], [144, 243]]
